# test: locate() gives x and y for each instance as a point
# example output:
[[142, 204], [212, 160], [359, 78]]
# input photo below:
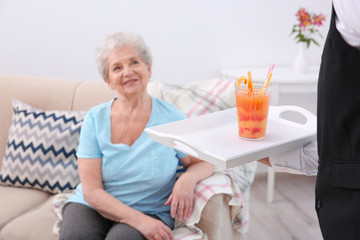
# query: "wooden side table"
[[284, 81]]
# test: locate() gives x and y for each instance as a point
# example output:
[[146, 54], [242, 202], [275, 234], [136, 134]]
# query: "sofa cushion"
[[41, 149], [16, 201], [34, 225], [201, 97], [42, 92]]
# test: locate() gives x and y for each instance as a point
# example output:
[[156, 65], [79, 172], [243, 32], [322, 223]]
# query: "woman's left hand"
[[182, 197]]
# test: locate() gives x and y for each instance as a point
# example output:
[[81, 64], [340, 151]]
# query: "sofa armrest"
[[216, 219]]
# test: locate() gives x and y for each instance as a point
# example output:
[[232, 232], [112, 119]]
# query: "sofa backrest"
[[48, 94], [91, 93]]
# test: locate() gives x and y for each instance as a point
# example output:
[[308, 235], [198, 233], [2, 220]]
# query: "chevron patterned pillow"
[[41, 149]]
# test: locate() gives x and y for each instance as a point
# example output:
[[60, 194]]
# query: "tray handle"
[[311, 120], [174, 141], [182, 147]]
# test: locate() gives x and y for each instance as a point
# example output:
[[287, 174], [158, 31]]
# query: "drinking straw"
[[270, 70], [267, 80]]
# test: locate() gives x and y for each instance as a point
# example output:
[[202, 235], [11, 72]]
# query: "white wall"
[[190, 39]]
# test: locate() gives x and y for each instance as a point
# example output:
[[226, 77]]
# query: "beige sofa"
[[27, 214]]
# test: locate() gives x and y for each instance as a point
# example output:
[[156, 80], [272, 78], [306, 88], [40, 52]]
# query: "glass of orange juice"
[[252, 106]]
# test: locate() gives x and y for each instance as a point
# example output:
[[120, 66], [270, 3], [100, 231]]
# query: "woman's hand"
[[182, 197], [153, 229]]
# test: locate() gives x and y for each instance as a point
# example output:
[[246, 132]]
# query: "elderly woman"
[[128, 185]]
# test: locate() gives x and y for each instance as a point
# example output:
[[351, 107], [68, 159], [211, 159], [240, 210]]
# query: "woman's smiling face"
[[128, 74]]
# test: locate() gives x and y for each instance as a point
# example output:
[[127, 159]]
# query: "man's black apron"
[[338, 182]]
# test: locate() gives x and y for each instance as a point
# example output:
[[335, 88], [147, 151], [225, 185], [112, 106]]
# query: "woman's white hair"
[[116, 41]]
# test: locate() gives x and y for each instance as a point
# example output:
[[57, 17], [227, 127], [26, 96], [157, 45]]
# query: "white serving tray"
[[214, 137]]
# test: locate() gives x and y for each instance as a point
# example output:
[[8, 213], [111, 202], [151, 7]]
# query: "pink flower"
[[306, 27], [304, 18], [318, 19]]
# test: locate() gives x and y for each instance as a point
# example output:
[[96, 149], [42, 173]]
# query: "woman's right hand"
[[153, 229]]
